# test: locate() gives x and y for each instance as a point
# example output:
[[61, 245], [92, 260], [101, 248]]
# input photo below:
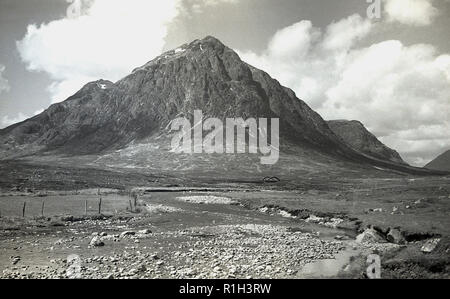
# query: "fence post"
[[100, 206], [42, 209], [85, 207], [24, 208]]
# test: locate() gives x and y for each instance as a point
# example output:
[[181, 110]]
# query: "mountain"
[[126, 124], [355, 134], [441, 163]]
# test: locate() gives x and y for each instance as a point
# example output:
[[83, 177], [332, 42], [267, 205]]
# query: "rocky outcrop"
[[355, 134]]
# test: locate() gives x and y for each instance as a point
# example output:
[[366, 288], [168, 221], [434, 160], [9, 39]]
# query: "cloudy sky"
[[392, 72]]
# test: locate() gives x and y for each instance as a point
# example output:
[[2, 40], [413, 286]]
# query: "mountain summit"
[[203, 75], [126, 123]]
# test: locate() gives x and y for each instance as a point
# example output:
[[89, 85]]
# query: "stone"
[[370, 236], [145, 232], [127, 234], [430, 245], [97, 242], [395, 236]]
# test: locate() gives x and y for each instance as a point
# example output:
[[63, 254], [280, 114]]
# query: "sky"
[[385, 63]]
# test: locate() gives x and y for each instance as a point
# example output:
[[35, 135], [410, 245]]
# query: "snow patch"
[[102, 86], [179, 50]]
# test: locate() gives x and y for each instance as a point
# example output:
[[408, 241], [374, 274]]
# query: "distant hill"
[[440, 163], [355, 134]]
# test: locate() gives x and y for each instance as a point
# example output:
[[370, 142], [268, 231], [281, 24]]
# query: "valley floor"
[[315, 229]]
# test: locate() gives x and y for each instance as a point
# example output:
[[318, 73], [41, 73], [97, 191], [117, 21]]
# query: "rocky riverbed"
[[194, 236]]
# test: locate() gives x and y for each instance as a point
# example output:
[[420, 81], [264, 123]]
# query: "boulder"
[[370, 236], [395, 236], [97, 242], [430, 245]]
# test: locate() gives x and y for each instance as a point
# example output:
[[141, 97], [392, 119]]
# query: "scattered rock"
[[208, 200], [430, 245], [97, 242], [15, 259], [145, 232], [271, 180], [395, 236], [127, 234], [370, 236]]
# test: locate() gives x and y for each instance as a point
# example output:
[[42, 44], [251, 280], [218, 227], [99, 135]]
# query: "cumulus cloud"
[[410, 12], [197, 6], [107, 40], [307, 59], [4, 87], [401, 93], [100, 39], [4, 84], [6, 120]]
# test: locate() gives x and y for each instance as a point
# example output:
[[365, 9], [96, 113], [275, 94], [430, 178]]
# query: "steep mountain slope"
[[203, 75], [355, 134], [441, 163], [125, 124]]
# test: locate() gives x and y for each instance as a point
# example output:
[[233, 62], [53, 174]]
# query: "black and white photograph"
[[210, 141]]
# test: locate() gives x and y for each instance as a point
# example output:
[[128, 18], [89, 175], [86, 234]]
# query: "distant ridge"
[[441, 163], [355, 134]]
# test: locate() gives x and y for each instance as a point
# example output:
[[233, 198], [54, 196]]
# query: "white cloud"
[[198, 6], [4, 84], [410, 12], [401, 93], [107, 41], [4, 87], [7, 121], [312, 62]]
